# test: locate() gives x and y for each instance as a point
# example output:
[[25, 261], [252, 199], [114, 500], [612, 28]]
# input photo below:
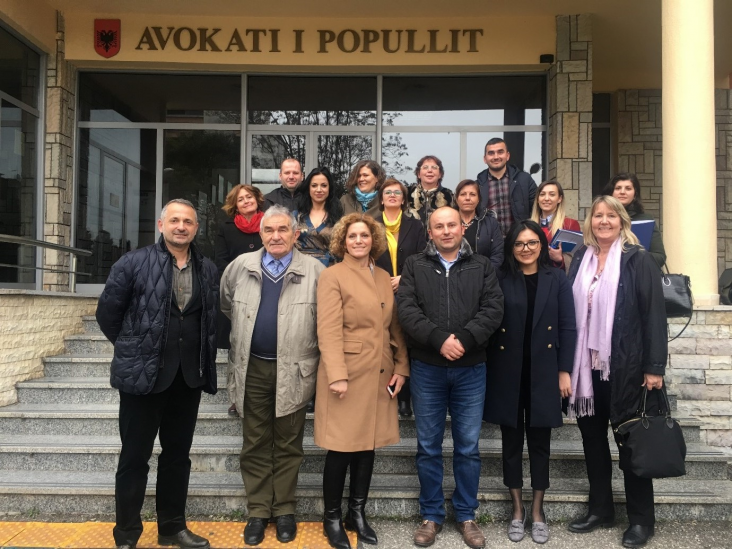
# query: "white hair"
[[277, 210]]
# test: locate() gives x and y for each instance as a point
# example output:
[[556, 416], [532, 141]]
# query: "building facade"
[[110, 110]]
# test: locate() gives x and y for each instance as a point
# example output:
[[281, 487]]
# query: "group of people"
[[457, 298]]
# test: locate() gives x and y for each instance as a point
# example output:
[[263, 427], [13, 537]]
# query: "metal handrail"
[[73, 252]]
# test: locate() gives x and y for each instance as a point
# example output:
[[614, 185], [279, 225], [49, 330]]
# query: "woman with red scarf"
[[238, 234]]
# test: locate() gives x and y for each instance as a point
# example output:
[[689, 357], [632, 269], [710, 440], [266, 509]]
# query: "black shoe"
[[637, 535], [310, 407], [333, 530], [362, 468], [127, 546], [405, 410], [286, 528], [185, 539], [588, 523], [254, 530], [232, 411]]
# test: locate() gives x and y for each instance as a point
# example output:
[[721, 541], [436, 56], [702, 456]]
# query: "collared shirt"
[[546, 221], [499, 200], [445, 263], [276, 266], [183, 281]]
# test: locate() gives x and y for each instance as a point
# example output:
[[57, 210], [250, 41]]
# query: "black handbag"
[[678, 297], [651, 446]]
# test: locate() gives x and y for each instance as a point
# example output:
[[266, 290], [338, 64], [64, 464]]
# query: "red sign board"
[[107, 37]]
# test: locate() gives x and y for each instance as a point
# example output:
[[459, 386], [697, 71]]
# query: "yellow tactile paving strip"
[[98, 535]]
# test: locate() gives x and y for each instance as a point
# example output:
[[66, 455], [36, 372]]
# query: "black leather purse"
[[652, 446], [678, 297]]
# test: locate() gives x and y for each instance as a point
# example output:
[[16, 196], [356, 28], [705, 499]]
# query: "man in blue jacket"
[[159, 309], [504, 188]]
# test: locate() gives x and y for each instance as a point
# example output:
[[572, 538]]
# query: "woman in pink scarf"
[[621, 348]]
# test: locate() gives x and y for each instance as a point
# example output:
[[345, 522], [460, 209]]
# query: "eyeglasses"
[[531, 245], [395, 193], [426, 167]]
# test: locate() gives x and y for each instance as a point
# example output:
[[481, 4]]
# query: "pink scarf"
[[594, 334]]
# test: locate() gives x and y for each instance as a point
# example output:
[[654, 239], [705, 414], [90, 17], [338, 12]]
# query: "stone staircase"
[[59, 447]]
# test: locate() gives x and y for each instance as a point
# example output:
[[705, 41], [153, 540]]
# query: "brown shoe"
[[472, 535], [425, 535]]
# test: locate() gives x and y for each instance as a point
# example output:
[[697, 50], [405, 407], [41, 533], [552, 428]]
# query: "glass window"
[[400, 153], [190, 99], [116, 197], [268, 152], [19, 69], [526, 150], [339, 153], [201, 166], [463, 100], [316, 101], [18, 190]]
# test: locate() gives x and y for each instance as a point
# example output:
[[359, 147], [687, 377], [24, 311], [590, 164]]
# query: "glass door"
[[268, 150]]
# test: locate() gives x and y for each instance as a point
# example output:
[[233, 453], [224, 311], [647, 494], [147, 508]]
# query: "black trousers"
[[173, 413], [538, 440], [638, 491]]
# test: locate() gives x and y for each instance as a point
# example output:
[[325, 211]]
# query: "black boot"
[[362, 467], [334, 480]]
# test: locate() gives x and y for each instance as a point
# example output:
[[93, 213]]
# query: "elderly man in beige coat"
[[270, 296]]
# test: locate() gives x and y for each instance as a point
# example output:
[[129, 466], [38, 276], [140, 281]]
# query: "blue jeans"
[[435, 390]]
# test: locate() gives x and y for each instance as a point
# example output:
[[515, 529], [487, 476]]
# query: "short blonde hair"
[[627, 238], [338, 236]]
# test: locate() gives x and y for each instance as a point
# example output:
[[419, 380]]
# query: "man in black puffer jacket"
[[159, 310], [449, 304]]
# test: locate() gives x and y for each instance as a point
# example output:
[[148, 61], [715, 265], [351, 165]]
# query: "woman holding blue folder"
[[548, 212], [626, 188]]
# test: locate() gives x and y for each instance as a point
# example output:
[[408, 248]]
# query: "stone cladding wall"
[[33, 326], [59, 176], [570, 113], [699, 372]]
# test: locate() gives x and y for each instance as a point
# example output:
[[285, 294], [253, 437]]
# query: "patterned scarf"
[[365, 198], [392, 229], [248, 227]]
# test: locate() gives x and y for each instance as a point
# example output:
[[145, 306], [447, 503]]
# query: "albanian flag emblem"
[[107, 37]]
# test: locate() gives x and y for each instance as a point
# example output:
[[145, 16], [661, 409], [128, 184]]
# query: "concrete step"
[[82, 390], [101, 419], [94, 343], [91, 326], [94, 365], [393, 496], [220, 454]]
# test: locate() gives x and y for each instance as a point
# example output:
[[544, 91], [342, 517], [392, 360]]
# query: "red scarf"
[[248, 227]]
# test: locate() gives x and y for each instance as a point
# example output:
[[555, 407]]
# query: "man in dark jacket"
[[159, 310], [504, 188], [290, 176], [449, 304]]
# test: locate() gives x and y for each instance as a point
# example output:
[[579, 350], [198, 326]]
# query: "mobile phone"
[[391, 388]]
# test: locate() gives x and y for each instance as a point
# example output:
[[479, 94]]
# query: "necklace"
[[467, 224]]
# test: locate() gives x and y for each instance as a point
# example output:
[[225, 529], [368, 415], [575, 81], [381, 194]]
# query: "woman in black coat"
[[482, 230], [621, 348], [405, 237], [238, 234], [529, 364]]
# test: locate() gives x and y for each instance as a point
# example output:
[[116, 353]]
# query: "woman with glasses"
[[530, 360], [405, 236], [482, 230], [428, 194], [548, 212]]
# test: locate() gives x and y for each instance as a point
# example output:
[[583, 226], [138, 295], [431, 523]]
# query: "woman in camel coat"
[[362, 352]]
